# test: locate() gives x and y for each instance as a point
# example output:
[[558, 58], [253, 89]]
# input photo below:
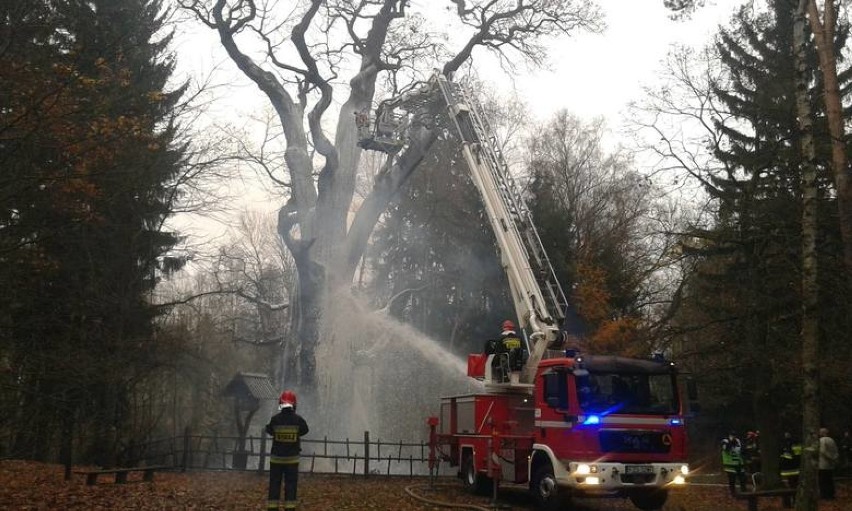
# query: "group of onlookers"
[[740, 458]]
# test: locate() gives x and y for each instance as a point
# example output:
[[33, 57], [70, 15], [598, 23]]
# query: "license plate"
[[638, 469]]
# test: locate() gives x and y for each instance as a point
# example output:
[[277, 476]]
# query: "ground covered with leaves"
[[34, 486]]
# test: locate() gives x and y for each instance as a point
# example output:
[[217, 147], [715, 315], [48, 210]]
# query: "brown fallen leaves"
[[29, 486]]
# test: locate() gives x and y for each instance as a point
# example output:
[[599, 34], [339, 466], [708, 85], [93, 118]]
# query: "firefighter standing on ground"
[[732, 462], [791, 460], [286, 428], [751, 452]]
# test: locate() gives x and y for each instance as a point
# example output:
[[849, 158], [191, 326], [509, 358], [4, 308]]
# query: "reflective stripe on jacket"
[[732, 460], [286, 428]]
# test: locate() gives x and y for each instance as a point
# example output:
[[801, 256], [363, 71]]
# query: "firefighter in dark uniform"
[[791, 460], [286, 428], [751, 452], [509, 351]]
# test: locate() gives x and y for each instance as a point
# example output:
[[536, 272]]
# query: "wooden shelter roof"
[[251, 385]]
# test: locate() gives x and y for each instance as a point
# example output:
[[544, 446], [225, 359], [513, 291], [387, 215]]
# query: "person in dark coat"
[[751, 452], [286, 428], [509, 352]]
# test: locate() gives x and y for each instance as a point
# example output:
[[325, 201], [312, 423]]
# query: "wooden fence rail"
[[321, 455]]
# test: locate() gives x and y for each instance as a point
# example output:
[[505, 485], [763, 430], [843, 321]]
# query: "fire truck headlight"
[[583, 469], [684, 469], [593, 480], [679, 479]]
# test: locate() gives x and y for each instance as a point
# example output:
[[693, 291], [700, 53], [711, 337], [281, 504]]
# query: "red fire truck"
[[586, 426], [563, 423]]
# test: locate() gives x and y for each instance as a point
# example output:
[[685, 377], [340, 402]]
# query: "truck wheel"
[[548, 495], [649, 500], [473, 481]]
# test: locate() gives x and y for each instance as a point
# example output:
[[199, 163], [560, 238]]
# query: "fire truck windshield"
[[609, 392]]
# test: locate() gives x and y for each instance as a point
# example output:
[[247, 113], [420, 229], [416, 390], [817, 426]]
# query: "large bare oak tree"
[[297, 54]]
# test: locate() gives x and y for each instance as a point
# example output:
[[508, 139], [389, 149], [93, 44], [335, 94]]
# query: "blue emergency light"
[[591, 420]]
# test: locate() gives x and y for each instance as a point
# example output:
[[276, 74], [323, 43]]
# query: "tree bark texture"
[[806, 498]]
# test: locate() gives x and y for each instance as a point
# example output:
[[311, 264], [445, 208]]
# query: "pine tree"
[[94, 154]]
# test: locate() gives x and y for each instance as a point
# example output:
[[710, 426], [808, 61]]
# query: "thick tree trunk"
[[768, 421], [309, 336], [66, 454], [764, 406], [806, 498], [387, 184], [312, 288], [32, 432]]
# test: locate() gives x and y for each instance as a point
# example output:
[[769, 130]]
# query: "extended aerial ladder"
[[538, 298]]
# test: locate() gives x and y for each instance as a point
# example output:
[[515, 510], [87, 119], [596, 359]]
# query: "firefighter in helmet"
[[286, 428], [751, 452], [509, 352]]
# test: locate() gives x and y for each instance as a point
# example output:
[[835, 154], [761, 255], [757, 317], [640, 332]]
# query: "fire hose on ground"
[[410, 491], [433, 423]]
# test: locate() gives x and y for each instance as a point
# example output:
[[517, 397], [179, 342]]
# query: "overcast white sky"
[[589, 74], [599, 74]]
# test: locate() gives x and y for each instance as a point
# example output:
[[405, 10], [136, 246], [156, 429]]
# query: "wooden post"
[[187, 445], [66, 449], [261, 464], [366, 453]]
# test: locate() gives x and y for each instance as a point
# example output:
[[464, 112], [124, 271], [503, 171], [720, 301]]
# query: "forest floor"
[[30, 486]]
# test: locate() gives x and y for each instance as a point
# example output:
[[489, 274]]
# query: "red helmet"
[[287, 399], [508, 325]]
